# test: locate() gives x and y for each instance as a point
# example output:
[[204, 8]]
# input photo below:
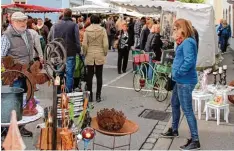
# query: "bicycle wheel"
[[136, 80], [160, 93]]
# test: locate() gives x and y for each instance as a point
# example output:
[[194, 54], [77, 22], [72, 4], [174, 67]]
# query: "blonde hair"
[[185, 27], [224, 23]]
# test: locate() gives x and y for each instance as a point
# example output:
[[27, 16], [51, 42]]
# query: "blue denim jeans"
[[70, 69], [182, 96], [20, 83]]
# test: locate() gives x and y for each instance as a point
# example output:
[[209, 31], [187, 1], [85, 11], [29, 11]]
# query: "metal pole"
[[54, 129]]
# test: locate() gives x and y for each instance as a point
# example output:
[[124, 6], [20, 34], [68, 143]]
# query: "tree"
[[193, 1]]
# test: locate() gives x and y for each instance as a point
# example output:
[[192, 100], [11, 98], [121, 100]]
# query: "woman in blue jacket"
[[185, 75], [224, 33]]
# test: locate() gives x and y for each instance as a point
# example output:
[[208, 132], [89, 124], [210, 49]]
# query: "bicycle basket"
[[163, 69]]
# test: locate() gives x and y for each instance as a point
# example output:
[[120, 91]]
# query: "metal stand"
[[55, 57], [114, 143]]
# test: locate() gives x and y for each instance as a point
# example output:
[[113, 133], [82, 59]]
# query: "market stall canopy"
[[149, 6], [93, 9], [201, 16], [31, 8]]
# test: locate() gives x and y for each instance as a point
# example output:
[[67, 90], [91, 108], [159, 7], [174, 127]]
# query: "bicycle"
[[156, 83]]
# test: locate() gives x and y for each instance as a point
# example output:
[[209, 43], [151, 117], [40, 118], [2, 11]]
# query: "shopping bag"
[[77, 67]]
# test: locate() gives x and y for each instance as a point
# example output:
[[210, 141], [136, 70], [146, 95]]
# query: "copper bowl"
[[110, 119]]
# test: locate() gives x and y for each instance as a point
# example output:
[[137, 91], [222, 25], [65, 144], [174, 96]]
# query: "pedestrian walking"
[[69, 32], [185, 75], [145, 33], [43, 30], [95, 48], [137, 31], [48, 23], [38, 53], [111, 32], [154, 42], [224, 33], [131, 32], [17, 42], [124, 45]]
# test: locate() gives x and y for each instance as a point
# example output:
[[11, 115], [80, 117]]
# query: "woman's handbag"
[[170, 84]]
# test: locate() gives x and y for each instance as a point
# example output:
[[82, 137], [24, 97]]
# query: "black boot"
[[91, 97], [98, 97], [191, 145], [170, 133]]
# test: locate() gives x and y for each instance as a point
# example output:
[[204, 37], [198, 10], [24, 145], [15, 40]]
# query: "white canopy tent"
[[201, 16], [93, 9]]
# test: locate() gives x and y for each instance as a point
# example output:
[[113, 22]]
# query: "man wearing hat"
[[17, 42]]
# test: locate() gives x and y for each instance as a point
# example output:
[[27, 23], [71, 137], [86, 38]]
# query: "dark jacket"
[[143, 38], [48, 24], [154, 44], [69, 31], [131, 33], [184, 64]]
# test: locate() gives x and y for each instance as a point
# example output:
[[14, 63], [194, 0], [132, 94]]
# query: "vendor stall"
[[201, 16], [11, 8], [93, 9]]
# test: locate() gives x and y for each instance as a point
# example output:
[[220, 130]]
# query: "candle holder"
[[224, 76], [215, 79], [220, 78]]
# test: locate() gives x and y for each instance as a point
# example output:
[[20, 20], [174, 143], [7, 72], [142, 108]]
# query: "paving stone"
[[162, 144], [148, 146], [157, 131], [160, 127], [154, 135], [151, 140], [162, 123]]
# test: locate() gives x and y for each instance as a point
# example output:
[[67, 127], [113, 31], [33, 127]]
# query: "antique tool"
[[10, 94], [55, 59]]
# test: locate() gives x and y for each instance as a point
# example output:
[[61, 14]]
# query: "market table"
[[224, 89], [128, 129]]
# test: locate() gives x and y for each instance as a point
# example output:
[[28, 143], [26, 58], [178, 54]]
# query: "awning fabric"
[[32, 8]]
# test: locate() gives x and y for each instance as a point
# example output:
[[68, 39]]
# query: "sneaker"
[[170, 133], [25, 133], [188, 142], [193, 145]]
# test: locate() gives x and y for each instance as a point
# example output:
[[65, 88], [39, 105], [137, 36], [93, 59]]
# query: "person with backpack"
[[224, 33], [111, 32]]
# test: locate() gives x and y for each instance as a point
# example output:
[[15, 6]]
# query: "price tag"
[[57, 81]]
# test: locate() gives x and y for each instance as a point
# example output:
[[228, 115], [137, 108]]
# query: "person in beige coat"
[[95, 48]]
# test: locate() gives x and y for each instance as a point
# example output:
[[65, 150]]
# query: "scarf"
[[40, 27]]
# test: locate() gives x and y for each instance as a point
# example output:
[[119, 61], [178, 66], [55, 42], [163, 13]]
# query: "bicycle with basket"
[[151, 75]]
